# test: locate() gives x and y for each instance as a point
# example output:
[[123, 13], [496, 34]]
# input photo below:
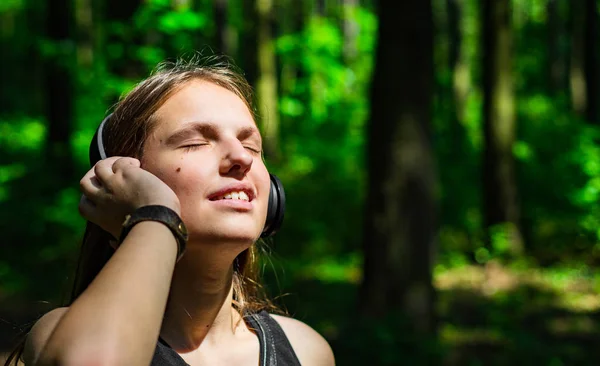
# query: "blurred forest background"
[[441, 160]]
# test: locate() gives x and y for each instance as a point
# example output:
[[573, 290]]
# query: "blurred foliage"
[[541, 308]]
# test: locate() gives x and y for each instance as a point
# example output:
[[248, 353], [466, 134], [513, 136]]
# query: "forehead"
[[203, 101]]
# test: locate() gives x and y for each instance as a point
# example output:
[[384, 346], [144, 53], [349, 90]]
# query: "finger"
[[95, 182], [90, 185], [124, 163], [103, 169]]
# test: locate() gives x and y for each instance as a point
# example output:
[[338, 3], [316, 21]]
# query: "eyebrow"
[[209, 130]]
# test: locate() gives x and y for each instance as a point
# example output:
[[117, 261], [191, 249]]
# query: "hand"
[[117, 186]]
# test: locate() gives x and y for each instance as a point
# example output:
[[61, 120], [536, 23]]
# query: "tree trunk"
[[350, 30], [584, 60], [320, 8], [453, 11], [400, 227], [576, 72], [122, 12], [84, 33], [591, 60], [224, 34], [266, 82], [458, 58], [293, 15], [249, 41], [556, 61], [21, 27], [59, 88], [500, 187], [9, 28]]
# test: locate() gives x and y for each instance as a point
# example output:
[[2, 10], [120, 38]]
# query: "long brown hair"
[[126, 131]]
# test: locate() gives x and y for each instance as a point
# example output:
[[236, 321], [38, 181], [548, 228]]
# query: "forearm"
[[118, 317]]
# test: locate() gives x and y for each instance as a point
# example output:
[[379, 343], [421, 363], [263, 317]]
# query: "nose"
[[236, 160]]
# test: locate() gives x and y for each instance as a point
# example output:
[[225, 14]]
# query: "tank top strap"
[[275, 347]]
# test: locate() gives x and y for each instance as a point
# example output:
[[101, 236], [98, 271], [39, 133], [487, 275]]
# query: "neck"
[[200, 301]]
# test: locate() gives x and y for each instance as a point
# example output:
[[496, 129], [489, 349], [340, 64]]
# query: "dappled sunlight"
[[491, 309], [344, 269], [580, 303], [456, 336], [573, 325], [573, 291]]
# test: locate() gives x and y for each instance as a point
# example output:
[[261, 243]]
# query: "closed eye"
[[253, 149], [192, 147]]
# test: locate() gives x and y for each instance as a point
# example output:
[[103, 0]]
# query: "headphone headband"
[[97, 151]]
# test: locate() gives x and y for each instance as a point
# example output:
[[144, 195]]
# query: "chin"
[[238, 237], [222, 234], [221, 227]]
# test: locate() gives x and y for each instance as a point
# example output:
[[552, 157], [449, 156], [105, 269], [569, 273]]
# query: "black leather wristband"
[[160, 214]]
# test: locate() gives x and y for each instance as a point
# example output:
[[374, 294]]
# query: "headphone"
[[276, 207]]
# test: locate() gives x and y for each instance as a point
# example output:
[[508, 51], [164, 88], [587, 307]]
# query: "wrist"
[[152, 235]]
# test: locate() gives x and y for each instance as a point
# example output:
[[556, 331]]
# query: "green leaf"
[[174, 21]]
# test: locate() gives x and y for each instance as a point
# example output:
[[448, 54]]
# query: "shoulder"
[[39, 334], [310, 347]]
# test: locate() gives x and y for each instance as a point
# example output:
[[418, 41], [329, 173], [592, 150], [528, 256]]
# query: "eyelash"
[[192, 147], [256, 151], [197, 146]]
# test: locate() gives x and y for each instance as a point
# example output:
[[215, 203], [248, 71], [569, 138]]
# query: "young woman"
[[183, 145]]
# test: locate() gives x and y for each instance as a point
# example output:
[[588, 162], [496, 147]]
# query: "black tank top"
[[275, 348]]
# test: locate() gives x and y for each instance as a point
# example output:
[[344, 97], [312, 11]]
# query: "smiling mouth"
[[239, 196]]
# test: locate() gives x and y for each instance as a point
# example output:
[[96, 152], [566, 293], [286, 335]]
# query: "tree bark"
[[224, 34], [122, 11], [556, 62], [84, 33], [591, 61], [500, 188], [458, 59], [576, 71], [249, 41], [266, 81], [400, 228], [293, 16], [350, 30], [59, 88], [320, 8]]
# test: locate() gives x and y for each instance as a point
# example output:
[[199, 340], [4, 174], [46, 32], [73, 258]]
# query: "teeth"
[[236, 196]]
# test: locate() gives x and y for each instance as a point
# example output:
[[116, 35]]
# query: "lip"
[[237, 205], [236, 187]]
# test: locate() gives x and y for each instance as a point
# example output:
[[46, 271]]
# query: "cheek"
[[265, 185], [181, 173], [177, 176], [185, 181]]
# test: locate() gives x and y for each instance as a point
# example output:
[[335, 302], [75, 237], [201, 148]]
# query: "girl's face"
[[207, 148]]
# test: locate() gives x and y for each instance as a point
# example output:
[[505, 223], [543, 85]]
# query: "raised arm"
[[117, 319]]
